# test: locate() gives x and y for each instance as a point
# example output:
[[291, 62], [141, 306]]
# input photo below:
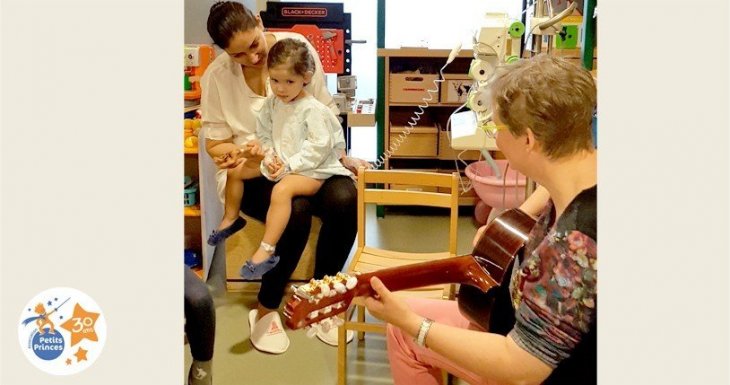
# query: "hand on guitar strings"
[[390, 308]]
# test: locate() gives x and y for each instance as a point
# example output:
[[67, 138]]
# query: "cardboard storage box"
[[422, 141], [446, 152], [413, 88], [455, 88]]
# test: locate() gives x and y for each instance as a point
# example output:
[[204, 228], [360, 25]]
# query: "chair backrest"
[[412, 197]]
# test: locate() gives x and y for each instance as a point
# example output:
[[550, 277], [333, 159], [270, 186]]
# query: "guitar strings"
[[490, 262]]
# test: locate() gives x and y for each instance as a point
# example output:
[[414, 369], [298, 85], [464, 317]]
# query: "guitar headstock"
[[317, 303]]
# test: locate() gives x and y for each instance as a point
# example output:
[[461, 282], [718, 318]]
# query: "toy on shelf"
[[329, 44], [191, 128], [192, 258], [197, 59], [190, 191], [326, 25]]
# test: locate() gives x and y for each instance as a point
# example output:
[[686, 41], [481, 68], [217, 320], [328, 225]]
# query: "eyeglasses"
[[490, 129]]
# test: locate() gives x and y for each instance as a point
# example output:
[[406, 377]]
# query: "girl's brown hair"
[[293, 53]]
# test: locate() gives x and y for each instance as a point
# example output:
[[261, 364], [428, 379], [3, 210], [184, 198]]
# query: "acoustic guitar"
[[319, 301]]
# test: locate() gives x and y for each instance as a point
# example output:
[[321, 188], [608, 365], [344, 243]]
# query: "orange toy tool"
[[197, 59]]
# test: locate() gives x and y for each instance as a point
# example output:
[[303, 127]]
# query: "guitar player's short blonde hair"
[[551, 96]]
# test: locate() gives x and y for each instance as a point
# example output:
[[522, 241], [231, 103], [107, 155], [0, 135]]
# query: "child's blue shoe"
[[251, 270], [218, 236]]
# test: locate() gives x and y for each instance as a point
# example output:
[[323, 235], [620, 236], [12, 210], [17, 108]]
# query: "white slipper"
[[268, 335], [330, 337]]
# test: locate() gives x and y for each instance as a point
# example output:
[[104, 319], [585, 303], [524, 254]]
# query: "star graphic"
[[68, 361], [81, 325], [50, 303], [81, 354]]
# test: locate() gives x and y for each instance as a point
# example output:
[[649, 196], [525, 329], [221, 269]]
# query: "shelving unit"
[[192, 214], [427, 147], [192, 211]]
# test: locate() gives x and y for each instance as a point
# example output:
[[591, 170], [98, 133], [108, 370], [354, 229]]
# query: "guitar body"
[[502, 241]]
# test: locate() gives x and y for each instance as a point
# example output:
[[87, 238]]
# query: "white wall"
[[408, 22]]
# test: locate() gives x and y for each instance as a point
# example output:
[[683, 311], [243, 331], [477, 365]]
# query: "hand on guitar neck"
[[319, 301]]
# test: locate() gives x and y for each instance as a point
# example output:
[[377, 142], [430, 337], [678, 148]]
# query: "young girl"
[[302, 139]]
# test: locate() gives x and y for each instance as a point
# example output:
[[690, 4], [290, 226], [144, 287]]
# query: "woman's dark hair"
[[226, 18], [292, 52]]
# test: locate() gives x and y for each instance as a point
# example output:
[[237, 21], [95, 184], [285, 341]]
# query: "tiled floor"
[[309, 361]]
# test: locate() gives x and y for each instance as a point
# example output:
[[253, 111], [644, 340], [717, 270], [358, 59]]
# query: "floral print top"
[[553, 290]]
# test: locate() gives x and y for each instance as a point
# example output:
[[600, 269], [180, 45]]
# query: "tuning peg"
[[326, 325], [351, 283], [340, 288], [311, 331], [325, 289], [313, 314]]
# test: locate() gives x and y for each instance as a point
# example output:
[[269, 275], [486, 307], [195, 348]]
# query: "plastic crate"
[[190, 194]]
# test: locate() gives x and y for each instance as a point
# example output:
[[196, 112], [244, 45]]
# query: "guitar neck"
[[303, 309], [484, 269], [463, 270]]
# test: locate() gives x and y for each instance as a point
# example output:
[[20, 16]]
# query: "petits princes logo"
[[62, 331]]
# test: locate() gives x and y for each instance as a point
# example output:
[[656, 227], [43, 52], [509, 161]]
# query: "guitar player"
[[543, 328]]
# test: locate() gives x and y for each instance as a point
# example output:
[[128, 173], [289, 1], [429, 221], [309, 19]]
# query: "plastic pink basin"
[[496, 192]]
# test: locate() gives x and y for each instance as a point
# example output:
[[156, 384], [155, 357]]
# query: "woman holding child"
[[236, 87]]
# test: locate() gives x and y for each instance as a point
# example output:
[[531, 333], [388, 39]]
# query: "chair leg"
[[361, 319], [342, 354]]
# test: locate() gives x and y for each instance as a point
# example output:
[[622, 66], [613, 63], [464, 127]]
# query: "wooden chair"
[[367, 259]]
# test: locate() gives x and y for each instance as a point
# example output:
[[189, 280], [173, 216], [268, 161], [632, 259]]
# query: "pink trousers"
[[412, 364]]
